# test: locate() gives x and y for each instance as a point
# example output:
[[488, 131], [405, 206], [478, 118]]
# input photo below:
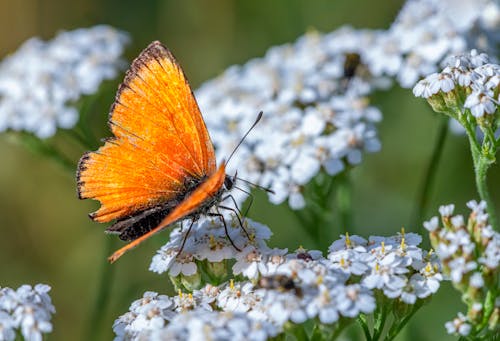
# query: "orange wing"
[[208, 190], [160, 141]]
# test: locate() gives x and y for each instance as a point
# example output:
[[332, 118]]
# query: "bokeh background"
[[45, 234]]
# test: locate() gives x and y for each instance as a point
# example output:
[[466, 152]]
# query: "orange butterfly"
[[160, 165]]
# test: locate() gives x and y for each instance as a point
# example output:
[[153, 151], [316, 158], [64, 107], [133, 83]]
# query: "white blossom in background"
[[41, 81], [274, 286], [425, 32], [27, 311], [469, 251], [315, 115]]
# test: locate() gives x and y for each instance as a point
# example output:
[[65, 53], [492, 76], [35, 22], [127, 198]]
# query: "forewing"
[[160, 141]]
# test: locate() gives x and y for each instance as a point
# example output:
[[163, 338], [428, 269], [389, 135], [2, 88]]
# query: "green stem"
[[430, 174], [106, 276], [399, 325], [364, 325], [316, 334], [481, 168], [380, 319], [481, 165], [489, 307], [344, 203]]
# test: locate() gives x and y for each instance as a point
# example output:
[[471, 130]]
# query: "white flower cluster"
[[159, 317], [470, 255], [27, 310], [470, 73], [427, 31], [316, 115], [281, 287], [459, 242], [208, 241], [314, 92], [40, 82]]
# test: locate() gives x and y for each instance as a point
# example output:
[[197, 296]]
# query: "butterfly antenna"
[[268, 190], [259, 116]]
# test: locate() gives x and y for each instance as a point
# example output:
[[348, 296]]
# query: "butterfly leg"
[[221, 217], [246, 210], [250, 196], [185, 238], [235, 211]]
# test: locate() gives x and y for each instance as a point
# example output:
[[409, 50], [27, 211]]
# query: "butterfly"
[[159, 167]]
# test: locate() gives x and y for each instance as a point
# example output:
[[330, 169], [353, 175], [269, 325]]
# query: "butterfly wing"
[[160, 141], [200, 198]]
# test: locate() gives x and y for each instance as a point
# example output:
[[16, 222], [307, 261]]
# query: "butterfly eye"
[[228, 182]]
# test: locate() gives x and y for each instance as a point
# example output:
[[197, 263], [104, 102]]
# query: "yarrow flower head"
[[27, 310], [426, 31], [207, 248], [467, 76], [316, 114], [270, 288], [469, 251], [41, 81], [467, 90]]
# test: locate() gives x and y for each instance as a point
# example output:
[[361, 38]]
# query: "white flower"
[[387, 274], [196, 300], [150, 312], [323, 305], [446, 210], [432, 225], [284, 306], [349, 242], [349, 261], [176, 263], [452, 241], [476, 280], [481, 102], [427, 281], [459, 267], [457, 221], [27, 309], [426, 87], [237, 297], [460, 325], [491, 255], [354, 299], [250, 262], [7, 327], [40, 82]]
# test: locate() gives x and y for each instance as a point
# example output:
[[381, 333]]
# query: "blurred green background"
[[46, 235]]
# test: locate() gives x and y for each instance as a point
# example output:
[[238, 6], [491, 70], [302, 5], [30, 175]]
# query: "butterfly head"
[[229, 181]]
